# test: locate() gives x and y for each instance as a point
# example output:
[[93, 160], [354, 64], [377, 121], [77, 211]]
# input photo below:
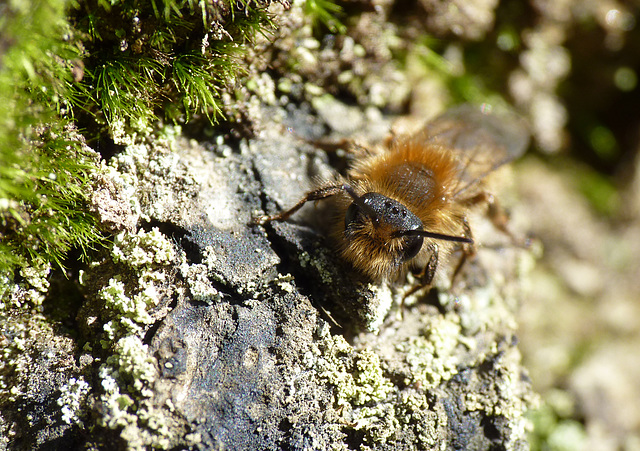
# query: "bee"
[[404, 206]]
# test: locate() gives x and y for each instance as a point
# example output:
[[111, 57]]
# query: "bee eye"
[[412, 245], [350, 216]]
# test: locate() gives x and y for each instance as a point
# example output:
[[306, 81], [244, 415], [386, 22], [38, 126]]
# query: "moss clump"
[[44, 166], [169, 60], [43, 190], [325, 13]]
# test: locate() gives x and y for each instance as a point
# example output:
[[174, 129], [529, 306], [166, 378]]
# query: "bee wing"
[[483, 141]]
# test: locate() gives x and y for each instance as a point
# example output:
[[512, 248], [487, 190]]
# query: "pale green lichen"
[[283, 281], [134, 363], [357, 376], [73, 396], [379, 421], [37, 276], [306, 260], [115, 403], [199, 283], [130, 307], [432, 357], [210, 258], [369, 379], [416, 409], [31, 291], [143, 248], [130, 372], [130, 314], [144, 181], [115, 298], [368, 401], [127, 378], [378, 307], [125, 134]]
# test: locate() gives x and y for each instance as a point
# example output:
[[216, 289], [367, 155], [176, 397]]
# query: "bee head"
[[386, 226], [389, 220]]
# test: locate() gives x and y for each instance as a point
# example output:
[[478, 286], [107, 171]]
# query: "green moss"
[[325, 13], [44, 167], [199, 81], [47, 190], [120, 63], [121, 89], [169, 60]]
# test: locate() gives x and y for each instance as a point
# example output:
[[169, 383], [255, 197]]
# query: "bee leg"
[[319, 194], [429, 271], [468, 250], [495, 212], [499, 217], [426, 275]]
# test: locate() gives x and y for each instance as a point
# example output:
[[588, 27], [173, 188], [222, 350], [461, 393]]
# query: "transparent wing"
[[483, 141]]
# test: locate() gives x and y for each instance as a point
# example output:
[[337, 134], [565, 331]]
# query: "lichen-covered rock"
[[223, 334], [203, 330]]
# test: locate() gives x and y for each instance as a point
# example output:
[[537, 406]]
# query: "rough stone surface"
[[260, 368], [201, 330]]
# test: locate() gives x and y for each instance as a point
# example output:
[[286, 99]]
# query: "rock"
[[206, 331]]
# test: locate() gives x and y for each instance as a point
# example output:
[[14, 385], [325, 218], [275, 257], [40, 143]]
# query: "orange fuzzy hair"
[[422, 176]]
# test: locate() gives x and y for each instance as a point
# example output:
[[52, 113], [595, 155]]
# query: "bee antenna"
[[360, 203], [437, 236]]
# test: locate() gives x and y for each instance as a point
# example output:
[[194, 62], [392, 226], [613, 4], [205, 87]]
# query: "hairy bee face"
[[379, 218]]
